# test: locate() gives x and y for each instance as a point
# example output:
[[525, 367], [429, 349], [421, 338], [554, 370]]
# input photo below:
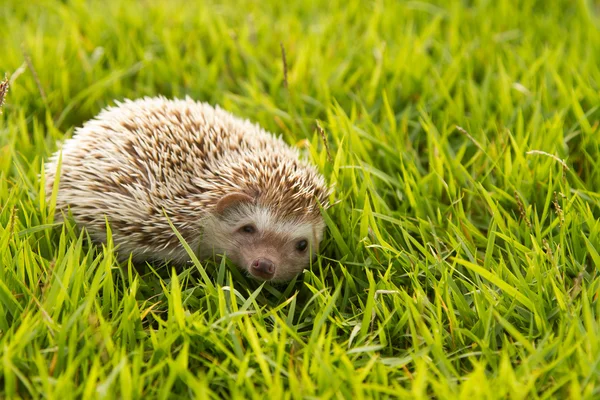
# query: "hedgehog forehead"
[[266, 220]]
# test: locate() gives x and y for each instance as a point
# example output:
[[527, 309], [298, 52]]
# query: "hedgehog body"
[[227, 185]]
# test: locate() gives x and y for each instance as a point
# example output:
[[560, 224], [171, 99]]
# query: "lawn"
[[461, 258]]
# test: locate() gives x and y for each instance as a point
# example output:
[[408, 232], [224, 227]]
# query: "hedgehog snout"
[[263, 268]]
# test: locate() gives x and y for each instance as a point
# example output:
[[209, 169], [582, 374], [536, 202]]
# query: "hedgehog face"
[[272, 250], [264, 244]]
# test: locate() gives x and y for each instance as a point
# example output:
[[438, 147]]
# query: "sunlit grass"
[[461, 258]]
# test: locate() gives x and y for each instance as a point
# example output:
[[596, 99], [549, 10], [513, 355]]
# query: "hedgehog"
[[229, 187]]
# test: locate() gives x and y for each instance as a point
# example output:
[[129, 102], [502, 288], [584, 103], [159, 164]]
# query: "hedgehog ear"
[[232, 199]]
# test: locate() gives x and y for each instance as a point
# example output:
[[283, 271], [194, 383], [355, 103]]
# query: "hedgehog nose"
[[263, 268]]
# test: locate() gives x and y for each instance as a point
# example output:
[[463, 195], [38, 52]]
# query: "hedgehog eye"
[[301, 245], [249, 229]]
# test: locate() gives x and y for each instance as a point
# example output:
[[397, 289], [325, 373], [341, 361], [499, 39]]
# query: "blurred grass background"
[[461, 259]]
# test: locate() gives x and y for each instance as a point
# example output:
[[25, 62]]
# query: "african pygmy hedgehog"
[[227, 185]]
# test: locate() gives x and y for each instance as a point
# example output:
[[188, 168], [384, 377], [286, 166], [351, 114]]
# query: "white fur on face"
[[266, 221], [275, 237]]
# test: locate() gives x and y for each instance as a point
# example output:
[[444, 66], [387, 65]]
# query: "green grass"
[[458, 263]]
